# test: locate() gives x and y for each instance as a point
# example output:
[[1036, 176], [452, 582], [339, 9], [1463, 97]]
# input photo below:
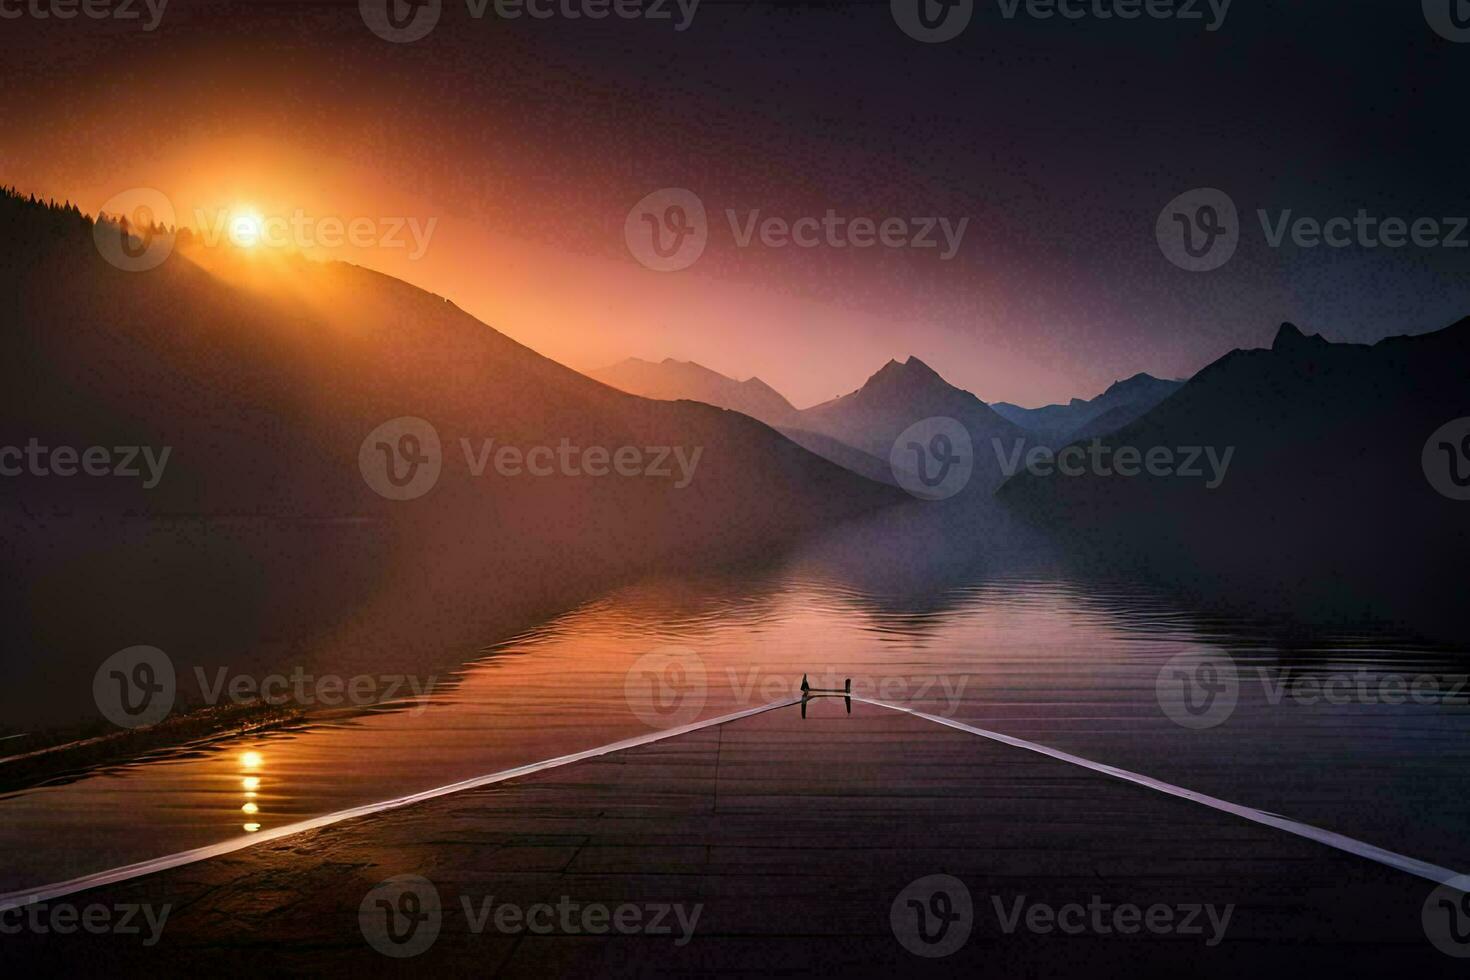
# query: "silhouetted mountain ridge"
[[673, 380], [1326, 445], [1121, 403], [856, 430], [902, 394], [264, 542]]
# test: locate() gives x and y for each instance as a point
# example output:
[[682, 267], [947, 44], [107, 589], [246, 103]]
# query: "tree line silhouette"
[[27, 214]]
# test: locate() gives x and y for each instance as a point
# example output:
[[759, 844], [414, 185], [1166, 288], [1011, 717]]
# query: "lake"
[[1362, 731]]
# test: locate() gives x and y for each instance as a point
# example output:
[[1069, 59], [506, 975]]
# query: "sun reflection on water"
[[250, 785]]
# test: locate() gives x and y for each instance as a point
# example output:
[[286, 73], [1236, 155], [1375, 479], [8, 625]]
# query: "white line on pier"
[[1401, 862], [46, 893]]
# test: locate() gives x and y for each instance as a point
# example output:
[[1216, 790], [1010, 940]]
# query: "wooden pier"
[[794, 836]]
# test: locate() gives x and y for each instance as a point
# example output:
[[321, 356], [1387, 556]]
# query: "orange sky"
[[526, 146], [584, 309]]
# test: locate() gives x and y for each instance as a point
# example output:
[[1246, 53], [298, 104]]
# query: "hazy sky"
[[1058, 142]]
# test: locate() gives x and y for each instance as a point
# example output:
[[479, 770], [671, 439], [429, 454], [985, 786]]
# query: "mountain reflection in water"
[[994, 626]]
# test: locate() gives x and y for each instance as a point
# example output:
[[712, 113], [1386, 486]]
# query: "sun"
[[246, 228]]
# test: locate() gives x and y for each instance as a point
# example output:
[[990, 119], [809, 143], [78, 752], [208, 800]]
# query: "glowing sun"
[[246, 229]]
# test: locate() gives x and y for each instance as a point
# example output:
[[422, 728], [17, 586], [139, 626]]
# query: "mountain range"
[[671, 380], [901, 394], [675, 380], [264, 378], [1337, 468], [858, 430], [266, 541], [1079, 419], [1315, 427], [1309, 447]]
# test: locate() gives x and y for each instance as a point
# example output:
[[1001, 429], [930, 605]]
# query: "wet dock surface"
[[775, 844]]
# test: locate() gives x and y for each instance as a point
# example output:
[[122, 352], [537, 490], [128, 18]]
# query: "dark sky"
[[1060, 140]]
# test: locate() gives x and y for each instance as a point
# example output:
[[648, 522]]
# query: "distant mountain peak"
[[755, 383], [909, 373], [1142, 381], [1142, 377], [1290, 337], [1122, 402], [672, 379]]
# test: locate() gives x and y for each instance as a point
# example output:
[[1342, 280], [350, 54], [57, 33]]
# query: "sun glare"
[[246, 229]]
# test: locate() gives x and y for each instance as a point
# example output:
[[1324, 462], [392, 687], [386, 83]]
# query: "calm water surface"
[[1028, 653]]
